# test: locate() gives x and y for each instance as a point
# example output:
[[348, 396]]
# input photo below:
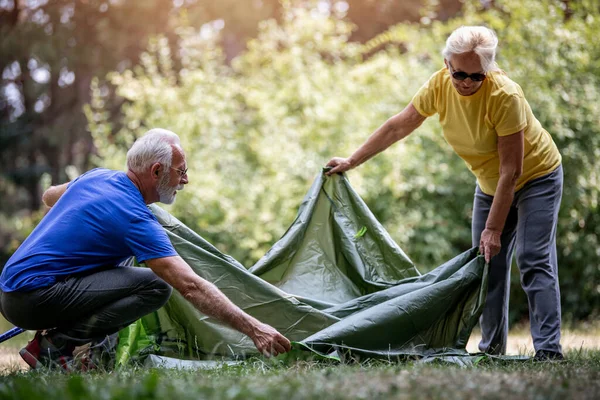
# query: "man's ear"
[[155, 170]]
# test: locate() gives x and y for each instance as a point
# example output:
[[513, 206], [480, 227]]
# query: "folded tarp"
[[335, 282]]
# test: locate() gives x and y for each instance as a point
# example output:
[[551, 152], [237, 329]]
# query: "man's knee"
[[163, 291], [154, 290], [158, 292]]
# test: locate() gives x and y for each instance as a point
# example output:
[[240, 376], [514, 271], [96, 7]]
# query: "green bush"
[[258, 130]]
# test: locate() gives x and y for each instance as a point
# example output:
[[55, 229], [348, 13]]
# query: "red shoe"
[[31, 353], [42, 353]]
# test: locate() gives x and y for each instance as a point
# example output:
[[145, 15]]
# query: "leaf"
[[361, 232]]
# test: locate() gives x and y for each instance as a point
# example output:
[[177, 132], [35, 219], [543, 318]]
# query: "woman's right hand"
[[338, 165]]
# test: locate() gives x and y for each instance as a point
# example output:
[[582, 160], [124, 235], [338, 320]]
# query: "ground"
[[576, 378]]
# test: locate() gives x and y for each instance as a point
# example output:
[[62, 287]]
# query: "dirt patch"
[[520, 342], [10, 360]]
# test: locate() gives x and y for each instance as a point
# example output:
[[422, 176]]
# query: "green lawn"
[[576, 378]]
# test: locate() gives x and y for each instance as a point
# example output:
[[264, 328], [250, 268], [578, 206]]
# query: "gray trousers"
[[88, 307], [530, 229]]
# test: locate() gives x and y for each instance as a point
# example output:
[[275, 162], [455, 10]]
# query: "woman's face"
[[468, 63]]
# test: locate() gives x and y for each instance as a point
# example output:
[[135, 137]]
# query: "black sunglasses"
[[461, 76]]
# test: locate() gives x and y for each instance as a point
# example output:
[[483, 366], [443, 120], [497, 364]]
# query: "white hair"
[[478, 39], [156, 146]]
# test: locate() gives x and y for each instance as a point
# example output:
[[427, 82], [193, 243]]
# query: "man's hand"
[[339, 165], [268, 341], [489, 244], [209, 300]]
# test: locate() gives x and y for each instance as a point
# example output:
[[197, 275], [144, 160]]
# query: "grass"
[[576, 378]]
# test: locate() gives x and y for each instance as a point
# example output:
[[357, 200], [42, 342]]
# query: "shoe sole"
[[29, 359], [62, 363]]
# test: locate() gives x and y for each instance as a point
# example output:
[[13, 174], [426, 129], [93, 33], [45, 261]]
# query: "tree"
[[49, 53]]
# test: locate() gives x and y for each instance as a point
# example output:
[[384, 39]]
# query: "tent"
[[335, 284]]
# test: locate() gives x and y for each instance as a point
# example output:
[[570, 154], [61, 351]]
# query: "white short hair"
[[156, 146], [478, 39]]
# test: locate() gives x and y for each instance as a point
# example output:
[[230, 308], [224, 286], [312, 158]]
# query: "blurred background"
[[264, 92]]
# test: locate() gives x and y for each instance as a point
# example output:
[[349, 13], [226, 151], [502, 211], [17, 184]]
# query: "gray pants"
[[531, 229], [90, 306]]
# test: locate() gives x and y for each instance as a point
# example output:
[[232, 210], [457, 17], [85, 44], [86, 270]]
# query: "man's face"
[[468, 63], [173, 179]]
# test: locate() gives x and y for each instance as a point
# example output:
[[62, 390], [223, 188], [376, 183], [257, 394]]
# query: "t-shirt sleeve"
[[511, 115], [147, 239], [425, 99], [85, 174]]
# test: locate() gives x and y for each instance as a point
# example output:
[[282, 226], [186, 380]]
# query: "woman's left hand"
[[489, 244]]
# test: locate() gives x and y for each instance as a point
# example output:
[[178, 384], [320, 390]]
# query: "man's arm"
[[510, 151], [394, 129], [209, 300], [51, 196]]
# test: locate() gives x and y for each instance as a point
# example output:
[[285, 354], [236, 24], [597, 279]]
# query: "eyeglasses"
[[461, 76], [180, 172]]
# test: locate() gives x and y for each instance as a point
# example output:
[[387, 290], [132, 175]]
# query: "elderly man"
[[64, 281]]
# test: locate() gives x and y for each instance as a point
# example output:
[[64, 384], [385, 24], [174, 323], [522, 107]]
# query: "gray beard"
[[166, 193]]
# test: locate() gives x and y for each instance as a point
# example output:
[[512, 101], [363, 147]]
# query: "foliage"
[[257, 131], [50, 51]]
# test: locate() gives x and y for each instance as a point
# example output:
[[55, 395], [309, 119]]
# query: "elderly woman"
[[489, 124]]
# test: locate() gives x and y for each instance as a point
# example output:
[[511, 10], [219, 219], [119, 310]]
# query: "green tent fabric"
[[335, 282]]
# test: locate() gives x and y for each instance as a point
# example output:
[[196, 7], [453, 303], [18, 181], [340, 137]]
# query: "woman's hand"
[[394, 129], [489, 244], [510, 151], [339, 165]]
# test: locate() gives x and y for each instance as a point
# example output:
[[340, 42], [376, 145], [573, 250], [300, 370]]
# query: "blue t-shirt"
[[100, 220]]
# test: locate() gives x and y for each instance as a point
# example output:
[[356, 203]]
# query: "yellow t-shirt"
[[472, 124]]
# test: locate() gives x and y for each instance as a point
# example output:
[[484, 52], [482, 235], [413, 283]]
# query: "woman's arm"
[[510, 150], [394, 129]]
